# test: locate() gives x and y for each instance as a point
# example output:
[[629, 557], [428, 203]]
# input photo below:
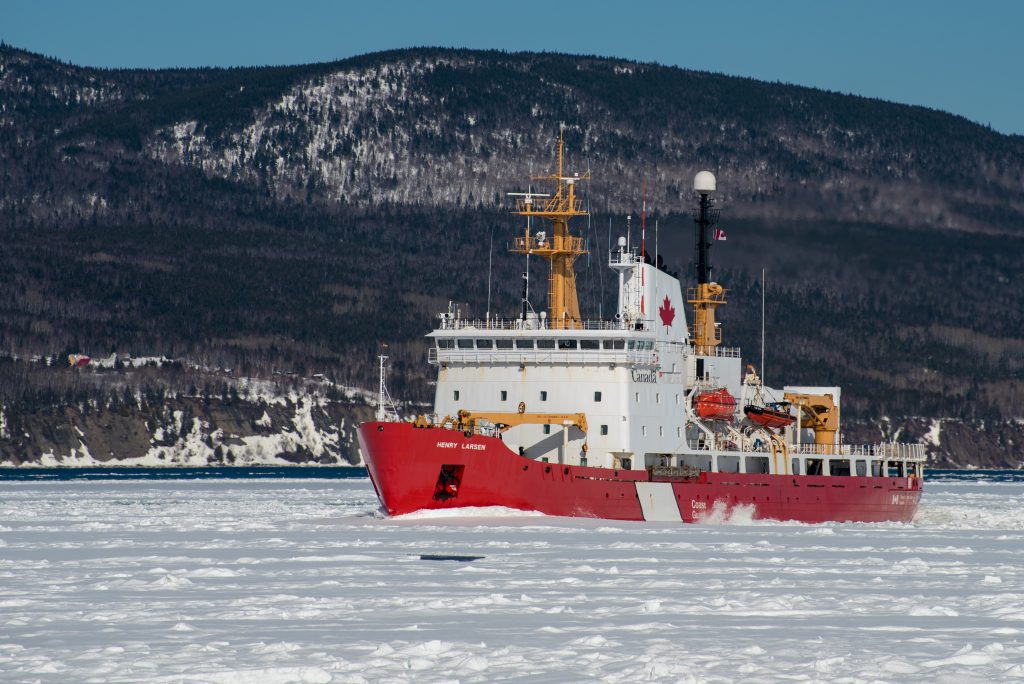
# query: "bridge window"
[[589, 344], [566, 344], [503, 343], [524, 344], [545, 344], [444, 343], [604, 429], [543, 395], [615, 344], [504, 395], [597, 396], [484, 344], [876, 469], [465, 344], [862, 468], [630, 344], [839, 466]]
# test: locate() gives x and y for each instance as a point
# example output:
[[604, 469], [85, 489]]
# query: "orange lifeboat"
[[769, 416], [716, 404]]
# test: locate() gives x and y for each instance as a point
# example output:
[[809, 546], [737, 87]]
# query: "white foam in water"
[[468, 512], [299, 581]]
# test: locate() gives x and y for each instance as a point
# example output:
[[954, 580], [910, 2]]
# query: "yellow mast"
[[560, 248]]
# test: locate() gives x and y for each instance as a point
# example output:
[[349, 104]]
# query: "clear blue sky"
[[964, 57]]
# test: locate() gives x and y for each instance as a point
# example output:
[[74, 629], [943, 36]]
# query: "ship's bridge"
[[520, 342]]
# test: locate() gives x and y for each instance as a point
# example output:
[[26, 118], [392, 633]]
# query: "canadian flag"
[[719, 234]]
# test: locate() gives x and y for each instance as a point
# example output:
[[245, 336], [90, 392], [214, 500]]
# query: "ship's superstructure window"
[[455, 395], [597, 396], [484, 344], [444, 343], [615, 344], [677, 400], [637, 397], [643, 430], [657, 397], [604, 429], [590, 344], [504, 395], [524, 344], [465, 344], [630, 344], [566, 344], [503, 343], [543, 395], [661, 431], [862, 468], [545, 344], [547, 429]]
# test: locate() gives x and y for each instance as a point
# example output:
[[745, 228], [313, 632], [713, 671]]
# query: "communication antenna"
[[490, 260], [643, 252], [382, 391], [527, 201], [762, 324]]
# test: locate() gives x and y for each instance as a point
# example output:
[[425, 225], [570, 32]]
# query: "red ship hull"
[[431, 468]]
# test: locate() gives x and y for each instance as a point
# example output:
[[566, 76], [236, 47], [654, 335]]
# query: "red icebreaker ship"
[[633, 418]]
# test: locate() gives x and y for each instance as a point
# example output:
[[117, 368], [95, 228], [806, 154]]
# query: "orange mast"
[[560, 248]]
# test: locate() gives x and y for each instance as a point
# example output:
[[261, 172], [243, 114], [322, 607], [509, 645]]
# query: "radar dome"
[[704, 183]]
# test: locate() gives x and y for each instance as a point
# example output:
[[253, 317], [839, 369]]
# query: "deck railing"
[[894, 451], [542, 356], [533, 324]]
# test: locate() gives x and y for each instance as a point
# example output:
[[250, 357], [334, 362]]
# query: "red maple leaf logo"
[[666, 312]]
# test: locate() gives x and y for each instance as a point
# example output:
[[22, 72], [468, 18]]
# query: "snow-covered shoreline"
[[304, 581]]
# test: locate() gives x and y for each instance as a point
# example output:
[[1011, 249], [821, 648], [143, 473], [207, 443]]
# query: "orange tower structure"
[[560, 248]]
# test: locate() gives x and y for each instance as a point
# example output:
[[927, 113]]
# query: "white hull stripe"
[[658, 501]]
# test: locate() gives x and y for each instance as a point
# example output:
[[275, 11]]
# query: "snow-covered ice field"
[[302, 581]]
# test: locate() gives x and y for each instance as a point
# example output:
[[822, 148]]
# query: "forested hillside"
[[289, 219]]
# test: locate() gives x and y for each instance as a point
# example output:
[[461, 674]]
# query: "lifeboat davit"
[[716, 404], [768, 417]]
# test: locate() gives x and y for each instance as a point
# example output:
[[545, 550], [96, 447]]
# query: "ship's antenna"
[[490, 260], [643, 223], [382, 391], [643, 253], [762, 324], [527, 201], [656, 244]]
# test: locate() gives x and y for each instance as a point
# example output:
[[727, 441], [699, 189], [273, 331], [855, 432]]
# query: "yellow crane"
[[819, 413], [468, 421]]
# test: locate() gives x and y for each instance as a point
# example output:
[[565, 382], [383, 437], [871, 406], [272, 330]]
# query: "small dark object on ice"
[[448, 557]]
